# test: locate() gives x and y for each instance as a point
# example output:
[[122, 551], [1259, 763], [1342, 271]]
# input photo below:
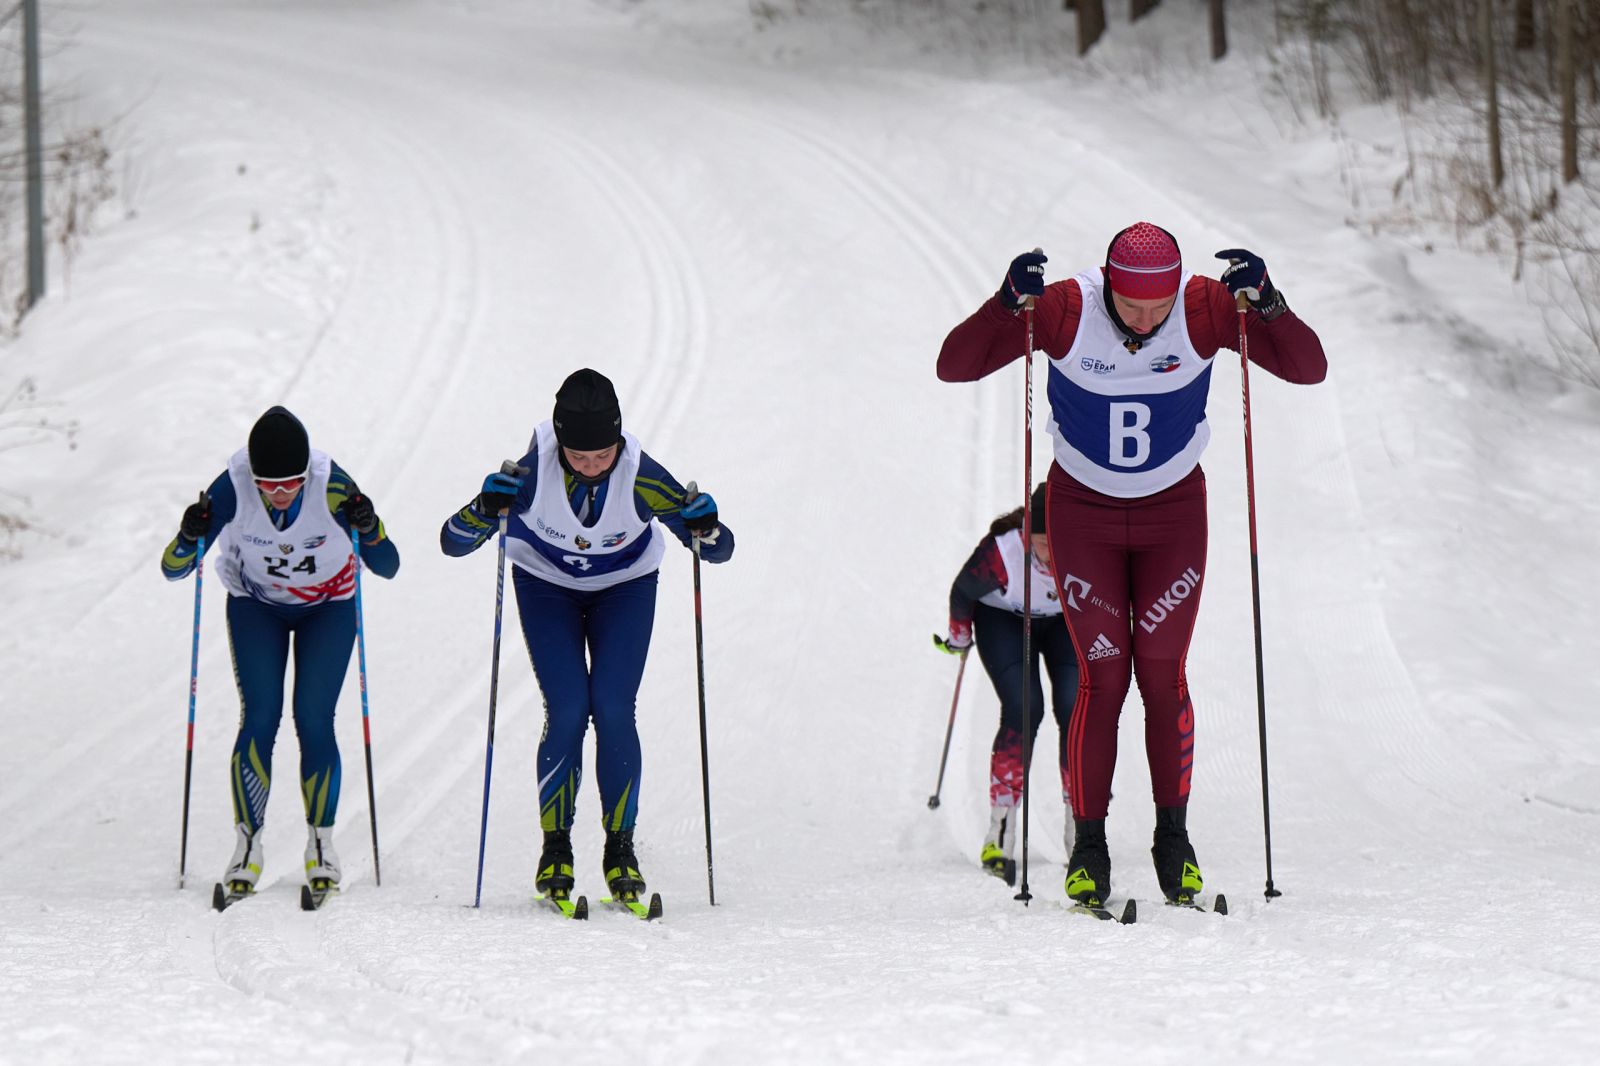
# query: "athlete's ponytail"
[[1006, 523], [1013, 519]]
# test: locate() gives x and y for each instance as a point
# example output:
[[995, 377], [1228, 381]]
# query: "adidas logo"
[[1102, 648]]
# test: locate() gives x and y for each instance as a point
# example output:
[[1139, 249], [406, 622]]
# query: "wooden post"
[[1091, 23], [1567, 78], [1497, 168]]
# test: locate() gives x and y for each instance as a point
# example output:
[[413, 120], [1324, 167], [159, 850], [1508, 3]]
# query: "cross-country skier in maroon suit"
[[1130, 370]]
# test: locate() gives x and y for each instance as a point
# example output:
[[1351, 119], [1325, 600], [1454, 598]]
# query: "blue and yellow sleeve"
[[378, 553], [659, 495], [465, 531], [180, 557]]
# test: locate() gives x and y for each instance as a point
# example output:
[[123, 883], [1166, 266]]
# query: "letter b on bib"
[[1130, 444]]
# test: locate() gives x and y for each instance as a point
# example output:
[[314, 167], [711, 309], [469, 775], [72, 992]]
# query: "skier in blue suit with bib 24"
[[582, 534], [281, 517]]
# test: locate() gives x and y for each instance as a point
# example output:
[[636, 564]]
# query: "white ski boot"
[[245, 869], [322, 862], [1000, 844]]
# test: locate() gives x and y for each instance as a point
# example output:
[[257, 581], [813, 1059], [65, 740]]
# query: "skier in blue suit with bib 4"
[[583, 511]]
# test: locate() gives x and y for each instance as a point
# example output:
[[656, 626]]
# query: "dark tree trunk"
[[1091, 23], [1525, 37], [1138, 9], [1567, 78], [1418, 66], [1219, 29], [1491, 89]]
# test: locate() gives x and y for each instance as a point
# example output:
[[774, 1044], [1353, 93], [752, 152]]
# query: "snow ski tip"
[[646, 912], [225, 896], [312, 899], [1219, 905], [576, 908], [1130, 912], [1005, 870]]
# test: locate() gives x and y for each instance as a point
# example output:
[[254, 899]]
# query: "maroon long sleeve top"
[[994, 336]]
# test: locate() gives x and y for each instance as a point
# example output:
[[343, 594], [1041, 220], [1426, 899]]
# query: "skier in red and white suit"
[[1130, 370]]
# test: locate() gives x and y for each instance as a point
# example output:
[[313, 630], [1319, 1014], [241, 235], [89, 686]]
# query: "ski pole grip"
[[1028, 301], [510, 469]]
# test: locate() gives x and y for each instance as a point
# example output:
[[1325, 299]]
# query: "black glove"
[[359, 513], [1024, 278], [1247, 275], [699, 513], [196, 519]]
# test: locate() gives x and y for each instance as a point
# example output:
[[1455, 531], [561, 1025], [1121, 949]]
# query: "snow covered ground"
[[409, 221]]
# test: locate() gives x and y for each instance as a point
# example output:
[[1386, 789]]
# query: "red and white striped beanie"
[[1143, 263]]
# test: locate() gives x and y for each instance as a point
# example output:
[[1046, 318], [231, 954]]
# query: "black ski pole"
[[1255, 592], [705, 761], [366, 726], [1027, 593], [949, 730]]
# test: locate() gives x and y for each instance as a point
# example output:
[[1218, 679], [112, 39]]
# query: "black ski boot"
[[622, 866], [555, 864], [1089, 868], [1177, 870]]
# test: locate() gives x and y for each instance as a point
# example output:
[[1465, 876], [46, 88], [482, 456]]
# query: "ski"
[[1004, 869], [1130, 912], [561, 901], [1219, 905], [631, 904], [225, 896], [314, 895]]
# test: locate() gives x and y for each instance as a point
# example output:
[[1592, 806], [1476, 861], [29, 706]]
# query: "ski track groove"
[[433, 370], [454, 762], [113, 749], [676, 360], [421, 390], [440, 359], [905, 215], [436, 362], [938, 247], [253, 963]]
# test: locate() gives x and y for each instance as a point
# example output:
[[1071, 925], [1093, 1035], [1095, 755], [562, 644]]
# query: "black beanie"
[[278, 446], [587, 416], [1037, 507]]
